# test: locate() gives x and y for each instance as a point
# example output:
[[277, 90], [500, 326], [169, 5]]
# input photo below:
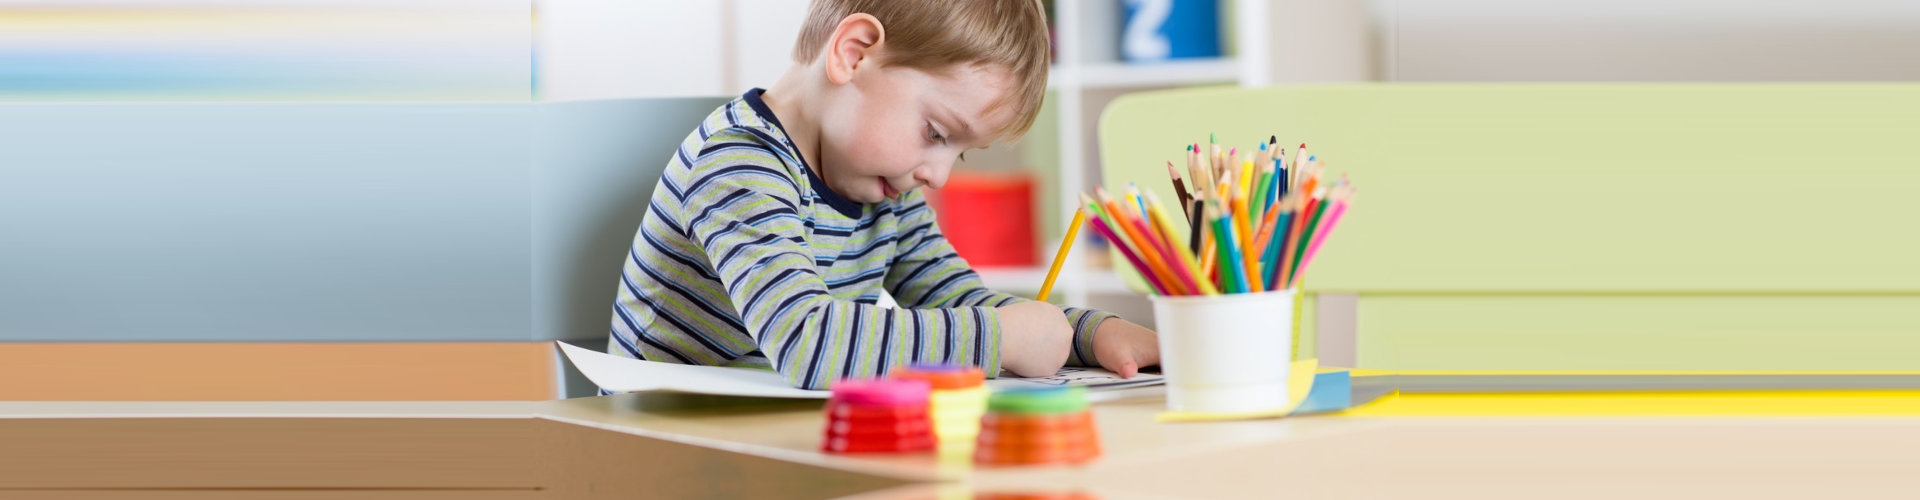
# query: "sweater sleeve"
[[928, 273], [742, 207]]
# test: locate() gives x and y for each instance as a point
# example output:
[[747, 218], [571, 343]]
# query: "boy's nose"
[[933, 175]]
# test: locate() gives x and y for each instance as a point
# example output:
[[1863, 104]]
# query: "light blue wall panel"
[[595, 166], [300, 222]]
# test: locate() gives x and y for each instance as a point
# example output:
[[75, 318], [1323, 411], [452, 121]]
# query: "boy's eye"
[[934, 134]]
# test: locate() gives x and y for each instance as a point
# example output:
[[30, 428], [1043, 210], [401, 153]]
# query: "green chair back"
[[1756, 227]]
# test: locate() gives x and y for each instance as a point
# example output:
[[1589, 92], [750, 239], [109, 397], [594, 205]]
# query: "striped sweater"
[[744, 252]]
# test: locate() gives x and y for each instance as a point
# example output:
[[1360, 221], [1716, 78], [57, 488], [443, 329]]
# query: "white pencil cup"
[[1225, 353]]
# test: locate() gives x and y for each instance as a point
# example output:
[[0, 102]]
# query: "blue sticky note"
[[1331, 392]]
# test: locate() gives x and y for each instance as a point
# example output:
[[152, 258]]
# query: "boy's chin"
[[864, 197]]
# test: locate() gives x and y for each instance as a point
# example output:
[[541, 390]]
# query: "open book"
[[620, 374]]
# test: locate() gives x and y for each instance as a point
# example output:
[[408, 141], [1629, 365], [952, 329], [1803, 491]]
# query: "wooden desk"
[[676, 446]]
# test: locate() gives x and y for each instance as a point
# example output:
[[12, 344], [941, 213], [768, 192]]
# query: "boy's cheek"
[[879, 154]]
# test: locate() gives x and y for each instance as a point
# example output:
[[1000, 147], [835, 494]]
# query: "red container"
[[988, 216]]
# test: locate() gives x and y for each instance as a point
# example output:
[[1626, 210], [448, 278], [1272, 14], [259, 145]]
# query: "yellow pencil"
[[1060, 257], [1245, 184]]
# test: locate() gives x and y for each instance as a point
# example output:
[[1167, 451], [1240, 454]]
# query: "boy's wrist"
[[1085, 336]]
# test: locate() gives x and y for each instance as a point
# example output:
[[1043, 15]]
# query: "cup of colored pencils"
[[1224, 281]]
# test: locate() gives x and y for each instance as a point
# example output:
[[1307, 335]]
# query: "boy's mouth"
[[886, 190]]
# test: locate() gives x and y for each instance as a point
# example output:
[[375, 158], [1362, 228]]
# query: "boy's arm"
[[741, 207], [928, 273]]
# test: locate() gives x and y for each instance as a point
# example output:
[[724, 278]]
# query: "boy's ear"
[[856, 42]]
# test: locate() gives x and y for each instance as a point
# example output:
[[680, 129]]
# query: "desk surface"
[[628, 444]]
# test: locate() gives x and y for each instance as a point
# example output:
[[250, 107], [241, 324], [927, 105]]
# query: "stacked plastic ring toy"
[[878, 416], [958, 401], [1038, 426]]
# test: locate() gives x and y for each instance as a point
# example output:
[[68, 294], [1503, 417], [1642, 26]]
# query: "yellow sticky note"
[[1299, 382]]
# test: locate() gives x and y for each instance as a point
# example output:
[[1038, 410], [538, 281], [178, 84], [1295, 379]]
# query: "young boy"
[[785, 214]]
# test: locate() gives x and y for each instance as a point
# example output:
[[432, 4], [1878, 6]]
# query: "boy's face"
[[895, 129]]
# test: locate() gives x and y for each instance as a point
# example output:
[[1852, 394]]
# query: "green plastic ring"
[[1049, 400]]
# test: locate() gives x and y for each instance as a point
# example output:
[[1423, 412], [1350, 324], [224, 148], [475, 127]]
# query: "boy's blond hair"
[[934, 35]]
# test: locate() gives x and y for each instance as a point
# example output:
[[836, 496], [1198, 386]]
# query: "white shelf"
[[1157, 74], [1029, 279]]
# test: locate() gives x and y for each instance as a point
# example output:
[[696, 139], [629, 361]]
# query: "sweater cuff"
[[1085, 322], [990, 340]]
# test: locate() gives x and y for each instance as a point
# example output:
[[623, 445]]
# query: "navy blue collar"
[[841, 204]]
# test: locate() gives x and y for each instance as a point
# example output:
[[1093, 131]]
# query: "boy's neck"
[[789, 99]]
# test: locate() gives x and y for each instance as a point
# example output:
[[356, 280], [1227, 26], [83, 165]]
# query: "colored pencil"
[[1143, 244], [1273, 187], [1266, 153], [1260, 163], [1310, 175], [1207, 256], [1193, 226], [1243, 229], [1101, 228], [1179, 188], [1195, 175], [1263, 182], [1134, 201], [1270, 255], [1254, 221], [1245, 182], [1209, 260], [1188, 263], [1163, 253], [1302, 211], [1297, 245], [1213, 155], [1319, 216], [1320, 236], [1216, 225], [1264, 236], [1165, 243], [1098, 211], [1298, 156], [1219, 163], [1280, 176], [1232, 266], [1060, 257], [1231, 163]]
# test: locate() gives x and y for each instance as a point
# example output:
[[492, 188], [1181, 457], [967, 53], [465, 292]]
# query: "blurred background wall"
[[469, 170]]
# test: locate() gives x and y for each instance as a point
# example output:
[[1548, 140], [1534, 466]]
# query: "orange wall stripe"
[[276, 371]]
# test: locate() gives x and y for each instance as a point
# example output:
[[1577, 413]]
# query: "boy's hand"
[[1123, 347], [1035, 338]]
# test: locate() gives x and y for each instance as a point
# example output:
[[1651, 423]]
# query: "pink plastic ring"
[[870, 392]]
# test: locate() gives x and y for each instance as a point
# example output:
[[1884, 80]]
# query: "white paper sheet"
[[620, 374], [1093, 378]]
